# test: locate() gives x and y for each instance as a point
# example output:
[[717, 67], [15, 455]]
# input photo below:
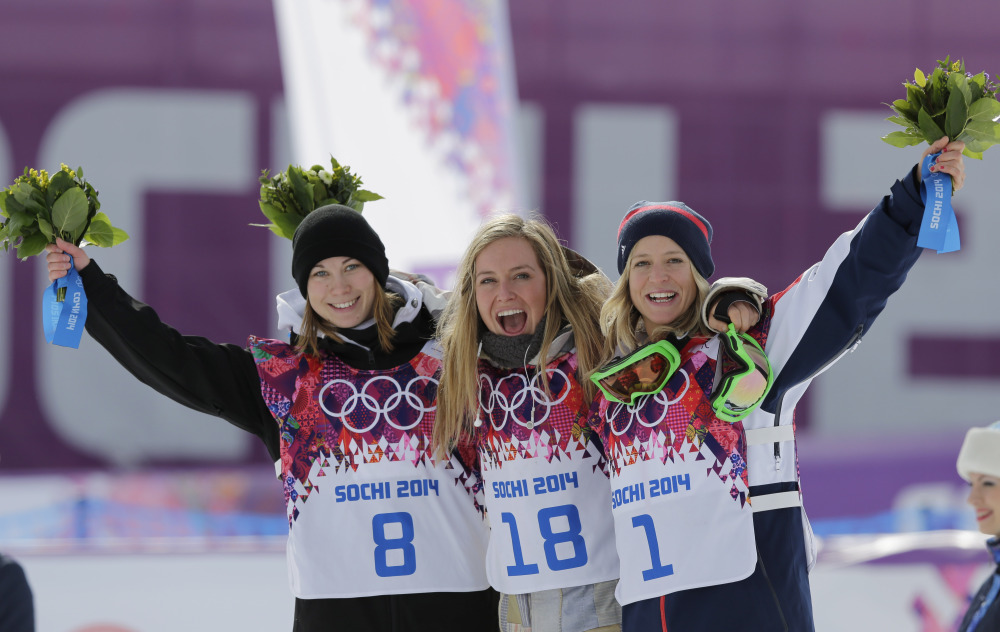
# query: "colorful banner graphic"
[[418, 98]]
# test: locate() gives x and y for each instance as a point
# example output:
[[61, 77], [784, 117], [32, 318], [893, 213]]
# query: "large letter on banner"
[[418, 98]]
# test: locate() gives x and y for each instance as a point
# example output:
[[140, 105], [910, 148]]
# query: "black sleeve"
[[219, 380], [17, 610]]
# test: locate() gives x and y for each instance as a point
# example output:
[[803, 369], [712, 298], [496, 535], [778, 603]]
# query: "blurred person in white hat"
[[979, 464]]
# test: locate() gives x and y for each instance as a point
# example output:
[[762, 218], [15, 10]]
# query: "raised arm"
[[219, 380], [834, 303]]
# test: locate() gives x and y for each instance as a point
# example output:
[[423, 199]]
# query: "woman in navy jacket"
[[709, 523]]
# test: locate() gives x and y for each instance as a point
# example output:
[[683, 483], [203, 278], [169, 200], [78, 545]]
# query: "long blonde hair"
[[568, 297], [384, 309], [621, 320]]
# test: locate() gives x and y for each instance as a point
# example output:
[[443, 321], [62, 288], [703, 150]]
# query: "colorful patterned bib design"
[[370, 511], [545, 481], [520, 420], [677, 423], [332, 416], [679, 484]]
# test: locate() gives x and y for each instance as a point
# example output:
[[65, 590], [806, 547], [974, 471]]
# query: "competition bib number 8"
[[393, 536], [552, 538]]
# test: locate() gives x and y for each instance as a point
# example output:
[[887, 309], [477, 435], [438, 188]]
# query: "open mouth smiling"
[[512, 321], [661, 297]]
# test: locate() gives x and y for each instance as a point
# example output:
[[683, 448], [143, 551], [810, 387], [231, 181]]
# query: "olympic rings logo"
[[633, 411], [497, 399], [403, 398]]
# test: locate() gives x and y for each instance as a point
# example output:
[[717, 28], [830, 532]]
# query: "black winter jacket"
[[222, 380]]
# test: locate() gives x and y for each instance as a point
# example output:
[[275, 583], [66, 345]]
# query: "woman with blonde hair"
[[519, 330], [708, 517], [574, 291], [519, 335]]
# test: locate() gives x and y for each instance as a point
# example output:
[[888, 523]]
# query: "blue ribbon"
[[63, 321], [938, 228]]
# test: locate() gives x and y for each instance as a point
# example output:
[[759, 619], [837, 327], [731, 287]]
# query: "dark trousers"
[[440, 612], [775, 598]]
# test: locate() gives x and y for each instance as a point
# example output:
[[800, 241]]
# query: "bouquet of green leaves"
[[950, 102], [38, 208], [286, 198]]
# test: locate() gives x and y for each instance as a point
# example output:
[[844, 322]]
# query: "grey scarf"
[[511, 352]]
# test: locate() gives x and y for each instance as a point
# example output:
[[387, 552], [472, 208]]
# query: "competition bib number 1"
[[659, 569], [551, 538]]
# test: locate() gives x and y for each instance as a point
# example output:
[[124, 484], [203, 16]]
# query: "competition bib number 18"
[[571, 536]]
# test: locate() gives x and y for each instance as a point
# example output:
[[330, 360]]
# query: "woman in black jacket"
[[391, 537]]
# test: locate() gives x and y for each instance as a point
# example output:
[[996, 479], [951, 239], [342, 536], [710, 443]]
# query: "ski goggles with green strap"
[[743, 376], [645, 371]]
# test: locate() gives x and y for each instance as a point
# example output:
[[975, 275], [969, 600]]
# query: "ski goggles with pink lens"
[[743, 376]]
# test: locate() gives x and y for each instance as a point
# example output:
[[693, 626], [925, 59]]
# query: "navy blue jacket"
[[806, 327], [984, 609]]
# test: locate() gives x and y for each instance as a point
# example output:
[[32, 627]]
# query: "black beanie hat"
[[675, 220], [336, 231]]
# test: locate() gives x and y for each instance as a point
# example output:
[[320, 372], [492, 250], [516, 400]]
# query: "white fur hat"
[[980, 452]]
